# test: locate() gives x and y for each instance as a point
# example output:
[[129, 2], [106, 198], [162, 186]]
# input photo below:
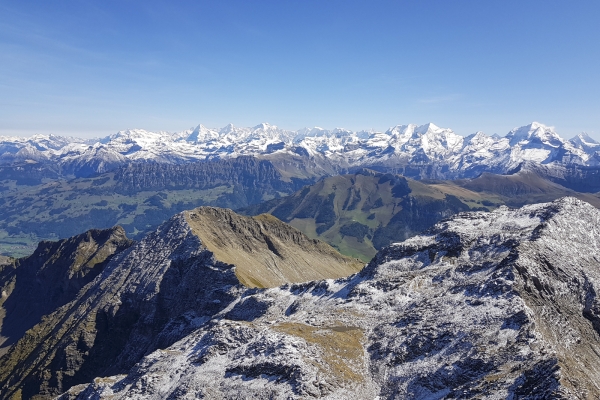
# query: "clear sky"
[[91, 68]]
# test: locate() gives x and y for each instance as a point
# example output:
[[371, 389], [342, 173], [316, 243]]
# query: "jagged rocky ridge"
[[52, 276], [484, 305], [146, 297], [425, 151]]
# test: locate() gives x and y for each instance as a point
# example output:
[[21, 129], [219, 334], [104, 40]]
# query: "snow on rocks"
[[402, 145], [483, 305]]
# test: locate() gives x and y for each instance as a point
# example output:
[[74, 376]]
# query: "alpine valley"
[[260, 263], [54, 187]]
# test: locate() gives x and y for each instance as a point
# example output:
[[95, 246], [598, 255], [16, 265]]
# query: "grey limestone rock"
[[484, 305]]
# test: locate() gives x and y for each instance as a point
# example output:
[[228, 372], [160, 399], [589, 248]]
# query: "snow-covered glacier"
[[436, 152]]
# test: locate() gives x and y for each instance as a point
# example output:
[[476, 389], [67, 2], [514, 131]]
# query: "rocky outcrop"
[[153, 294], [51, 277], [484, 305]]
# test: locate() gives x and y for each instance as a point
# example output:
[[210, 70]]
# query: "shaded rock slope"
[[51, 277], [484, 305], [145, 298]]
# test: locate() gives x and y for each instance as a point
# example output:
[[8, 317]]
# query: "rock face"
[[51, 277], [266, 251], [251, 178], [484, 305], [147, 296]]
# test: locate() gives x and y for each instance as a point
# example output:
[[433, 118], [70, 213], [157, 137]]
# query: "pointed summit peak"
[[537, 125], [432, 129], [228, 128], [201, 133], [263, 126], [199, 128], [585, 142], [584, 137], [533, 130], [477, 136], [431, 126]]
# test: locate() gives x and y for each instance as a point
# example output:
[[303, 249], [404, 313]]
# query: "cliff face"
[[252, 179], [484, 305], [51, 277], [149, 296]]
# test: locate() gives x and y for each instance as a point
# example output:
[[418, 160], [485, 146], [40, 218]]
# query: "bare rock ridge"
[[51, 277], [484, 305], [145, 297], [266, 251]]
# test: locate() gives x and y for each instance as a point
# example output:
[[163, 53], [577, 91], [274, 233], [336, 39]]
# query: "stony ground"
[[485, 305]]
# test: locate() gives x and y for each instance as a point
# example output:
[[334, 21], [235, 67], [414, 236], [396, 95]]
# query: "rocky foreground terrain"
[[483, 305], [138, 298]]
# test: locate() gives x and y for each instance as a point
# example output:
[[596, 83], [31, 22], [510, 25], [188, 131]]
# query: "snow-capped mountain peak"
[[399, 146], [534, 131], [585, 142], [264, 126], [584, 137]]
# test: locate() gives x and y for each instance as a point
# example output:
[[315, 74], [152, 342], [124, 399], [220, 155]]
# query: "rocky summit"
[[136, 298], [484, 305], [491, 305]]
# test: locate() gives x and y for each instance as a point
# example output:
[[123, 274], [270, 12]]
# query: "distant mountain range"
[[357, 213], [425, 151]]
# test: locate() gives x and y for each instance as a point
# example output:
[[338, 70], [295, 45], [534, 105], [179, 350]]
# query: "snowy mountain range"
[[447, 154]]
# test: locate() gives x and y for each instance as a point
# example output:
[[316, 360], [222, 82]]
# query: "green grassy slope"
[[139, 198], [363, 212]]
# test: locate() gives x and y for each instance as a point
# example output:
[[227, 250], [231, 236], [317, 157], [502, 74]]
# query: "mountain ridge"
[[495, 305], [149, 295], [448, 154], [363, 212]]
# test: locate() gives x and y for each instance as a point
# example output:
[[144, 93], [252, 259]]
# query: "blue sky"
[[91, 68]]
